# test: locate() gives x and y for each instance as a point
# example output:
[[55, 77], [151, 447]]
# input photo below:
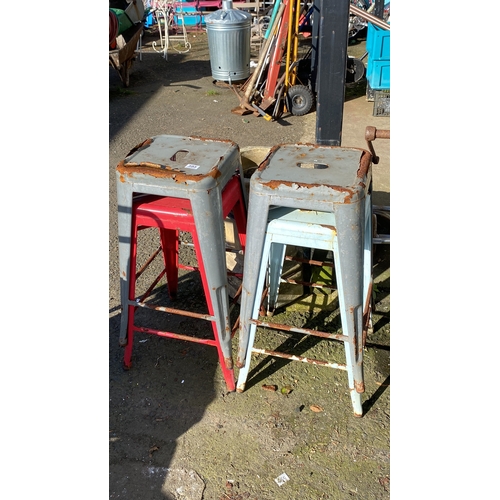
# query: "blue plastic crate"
[[378, 74], [191, 16], [378, 43], [378, 46]]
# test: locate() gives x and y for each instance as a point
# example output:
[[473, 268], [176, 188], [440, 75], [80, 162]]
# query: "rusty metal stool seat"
[[194, 183], [314, 197]]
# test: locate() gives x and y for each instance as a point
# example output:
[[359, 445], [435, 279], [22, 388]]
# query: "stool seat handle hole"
[[179, 155], [312, 165]]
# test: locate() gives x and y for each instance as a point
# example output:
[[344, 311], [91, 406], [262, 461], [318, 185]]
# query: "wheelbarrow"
[[124, 55]]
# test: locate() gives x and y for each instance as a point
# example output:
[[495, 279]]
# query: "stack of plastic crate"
[[378, 71]]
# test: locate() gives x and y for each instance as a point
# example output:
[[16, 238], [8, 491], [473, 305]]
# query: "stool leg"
[[130, 309], [256, 227], [170, 245], [276, 258], [124, 198], [127, 356], [227, 371], [348, 253], [368, 259], [244, 321], [209, 221]]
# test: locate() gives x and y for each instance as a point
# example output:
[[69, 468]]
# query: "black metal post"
[[314, 45], [331, 70]]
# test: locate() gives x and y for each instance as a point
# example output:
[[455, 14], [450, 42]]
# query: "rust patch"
[[142, 145], [370, 133], [359, 386], [272, 388], [162, 172], [277, 184], [229, 363], [205, 139], [364, 164]]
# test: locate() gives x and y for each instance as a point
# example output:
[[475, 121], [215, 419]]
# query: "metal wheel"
[[299, 100]]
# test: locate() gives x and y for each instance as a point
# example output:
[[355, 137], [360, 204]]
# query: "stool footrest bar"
[[306, 331], [172, 335], [147, 293], [147, 263], [171, 310], [293, 357], [307, 283]]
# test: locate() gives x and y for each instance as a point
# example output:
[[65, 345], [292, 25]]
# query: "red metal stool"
[[171, 215]]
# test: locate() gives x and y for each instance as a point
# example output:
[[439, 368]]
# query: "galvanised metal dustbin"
[[229, 32]]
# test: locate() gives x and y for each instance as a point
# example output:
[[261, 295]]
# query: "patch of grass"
[[211, 92], [120, 91]]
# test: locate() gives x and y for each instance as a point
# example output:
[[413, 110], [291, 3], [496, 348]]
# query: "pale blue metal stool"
[[314, 197]]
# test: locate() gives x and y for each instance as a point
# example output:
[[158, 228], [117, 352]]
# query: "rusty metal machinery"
[[371, 133]]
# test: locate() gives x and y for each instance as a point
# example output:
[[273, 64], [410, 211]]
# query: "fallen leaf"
[[316, 408], [286, 390], [153, 448], [270, 387], [384, 482]]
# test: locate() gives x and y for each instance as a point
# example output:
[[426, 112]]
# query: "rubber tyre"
[[299, 100]]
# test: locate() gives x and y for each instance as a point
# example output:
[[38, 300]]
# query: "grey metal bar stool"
[[189, 168], [315, 197]]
